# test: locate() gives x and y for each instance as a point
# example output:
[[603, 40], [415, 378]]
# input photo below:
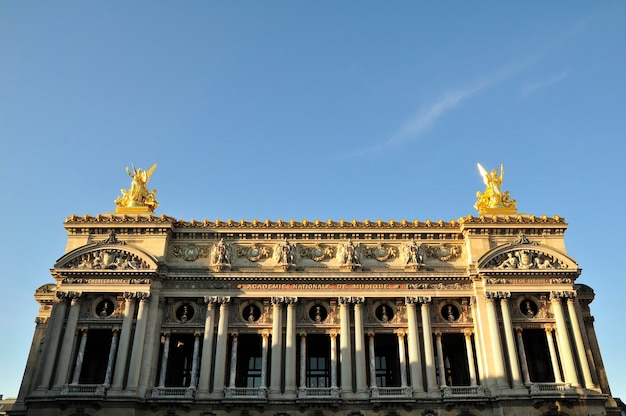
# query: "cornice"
[[305, 224]]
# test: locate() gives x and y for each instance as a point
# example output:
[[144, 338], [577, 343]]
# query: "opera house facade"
[[150, 315]]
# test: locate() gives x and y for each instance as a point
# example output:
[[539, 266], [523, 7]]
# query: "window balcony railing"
[[173, 393], [390, 392], [245, 392], [455, 391], [539, 388], [86, 390], [318, 392]]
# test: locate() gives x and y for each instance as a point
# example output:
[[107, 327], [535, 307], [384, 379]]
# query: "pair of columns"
[[118, 353], [516, 352]]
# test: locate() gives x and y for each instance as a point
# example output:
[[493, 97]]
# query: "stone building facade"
[[150, 315]]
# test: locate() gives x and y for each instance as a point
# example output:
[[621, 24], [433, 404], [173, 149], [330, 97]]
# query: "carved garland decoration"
[[254, 253], [380, 252], [317, 252], [191, 252]]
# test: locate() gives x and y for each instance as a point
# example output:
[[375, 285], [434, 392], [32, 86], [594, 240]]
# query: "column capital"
[[414, 300], [277, 300], [72, 295], [468, 332], [401, 333], [210, 300], [497, 295], [345, 300], [549, 329], [290, 301], [562, 294]]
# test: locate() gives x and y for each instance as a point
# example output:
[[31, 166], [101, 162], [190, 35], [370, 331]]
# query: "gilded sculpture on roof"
[[493, 200], [137, 198]]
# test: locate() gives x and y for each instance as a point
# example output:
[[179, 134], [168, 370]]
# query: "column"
[[67, 344], [580, 346], [194, 361], [372, 357], [277, 344], [303, 360], [429, 354], [136, 356], [111, 360], [122, 356], [51, 342], [565, 348], [345, 358], [207, 347], [68, 341], [496, 343], [79, 357], [152, 339], [233, 361], [415, 364], [553, 358], [402, 355], [290, 350], [264, 353], [440, 362], [522, 356], [470, 358], [359, 350], [164, 358], [510, 344], [220, 349], [333, 361]]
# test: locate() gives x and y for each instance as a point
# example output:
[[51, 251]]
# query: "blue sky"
[[294, 110]]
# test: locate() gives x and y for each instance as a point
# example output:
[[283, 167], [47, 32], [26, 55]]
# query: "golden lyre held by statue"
[[137, 199], [493, 200]]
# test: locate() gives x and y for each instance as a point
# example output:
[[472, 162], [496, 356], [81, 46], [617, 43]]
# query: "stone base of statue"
[[349, 267], [216, 268], [133, 210], [284, 267], [413, 267], [499, 210]]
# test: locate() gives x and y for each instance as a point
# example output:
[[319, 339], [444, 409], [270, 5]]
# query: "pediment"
[[110, 254], [524, 255]]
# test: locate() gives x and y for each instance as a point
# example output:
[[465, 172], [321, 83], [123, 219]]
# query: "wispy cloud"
[[543, 83], [427, 116]]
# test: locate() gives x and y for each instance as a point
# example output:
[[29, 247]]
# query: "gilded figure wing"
[[483, 173], [149, 172]]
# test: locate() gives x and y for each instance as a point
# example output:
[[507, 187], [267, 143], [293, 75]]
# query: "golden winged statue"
[[137, 198], [493, 200]]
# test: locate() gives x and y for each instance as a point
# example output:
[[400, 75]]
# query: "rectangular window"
[[318, 361]]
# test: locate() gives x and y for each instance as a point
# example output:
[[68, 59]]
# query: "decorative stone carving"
[[524, 259], [380, 252], [443, 252], [221, 256], [318, 252], [285, 255], [412, 256], [191, 252], [254, 253], [107, 259], [348, 256]]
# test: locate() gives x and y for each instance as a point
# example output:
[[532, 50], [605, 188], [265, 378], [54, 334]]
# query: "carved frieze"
[[109, 259], [525, 259]]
